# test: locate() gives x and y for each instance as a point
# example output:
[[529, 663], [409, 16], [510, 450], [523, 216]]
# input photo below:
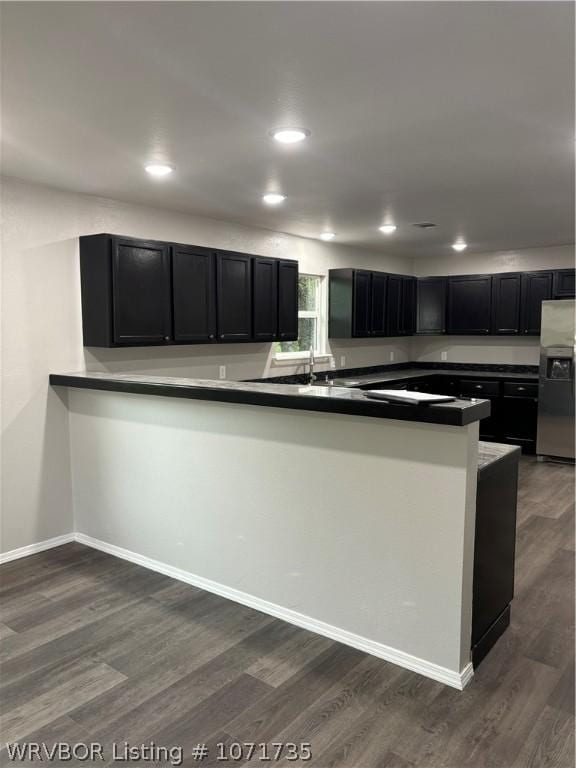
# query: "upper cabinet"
[[362, 304], [265, 298], [564, 284], [401, 305], [287, 300], [408, 306], [125, 291], [194, 294], [431, 305], [366, 304], [234, 292], [378, 293], [141, 290], [137, 292], [469, 304], [506, 294], [536, 288]]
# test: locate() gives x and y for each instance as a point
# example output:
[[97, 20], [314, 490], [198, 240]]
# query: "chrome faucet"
[[311, 375]]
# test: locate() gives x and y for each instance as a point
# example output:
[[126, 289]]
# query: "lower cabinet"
[[490, 427], [514, 403], [519, 410], [514, 411]]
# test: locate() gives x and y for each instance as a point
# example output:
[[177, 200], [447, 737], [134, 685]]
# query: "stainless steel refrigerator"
[[556, 389]]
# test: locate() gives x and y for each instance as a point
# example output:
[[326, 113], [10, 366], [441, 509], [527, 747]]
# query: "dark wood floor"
[[96, 649]]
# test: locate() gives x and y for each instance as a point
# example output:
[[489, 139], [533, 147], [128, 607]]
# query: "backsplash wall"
[[476, 349]]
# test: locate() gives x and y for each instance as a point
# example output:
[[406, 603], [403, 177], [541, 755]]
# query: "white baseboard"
[[443, 675], [32, 549]]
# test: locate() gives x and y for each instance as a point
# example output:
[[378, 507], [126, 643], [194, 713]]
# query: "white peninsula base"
[[360, 529]]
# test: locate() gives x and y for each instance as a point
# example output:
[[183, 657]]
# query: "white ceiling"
[[457, 113]]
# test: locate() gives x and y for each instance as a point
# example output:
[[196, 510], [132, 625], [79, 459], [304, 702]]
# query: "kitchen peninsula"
[[350, 517]]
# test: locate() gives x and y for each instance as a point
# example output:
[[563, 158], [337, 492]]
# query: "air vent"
[[425, 225]]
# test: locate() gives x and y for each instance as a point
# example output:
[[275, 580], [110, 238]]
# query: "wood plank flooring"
[[94, 649]]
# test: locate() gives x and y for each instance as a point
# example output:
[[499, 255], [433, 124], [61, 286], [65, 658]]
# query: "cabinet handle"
[[478, 386], [211, 336], [521, 389], [166, 338]]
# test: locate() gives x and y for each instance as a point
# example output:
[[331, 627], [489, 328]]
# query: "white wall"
[[359, 528], [473, 349], [41, 332]]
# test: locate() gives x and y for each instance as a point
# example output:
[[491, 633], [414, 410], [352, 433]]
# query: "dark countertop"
[[418, 373], [326, 399], [488, 453]]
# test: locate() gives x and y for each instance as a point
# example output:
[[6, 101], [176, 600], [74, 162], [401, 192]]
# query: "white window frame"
[[320, 314]]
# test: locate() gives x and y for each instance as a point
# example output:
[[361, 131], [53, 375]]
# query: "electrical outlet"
[[332, 362], [222, 372], [444, 356], [391, 355], [342, 361]]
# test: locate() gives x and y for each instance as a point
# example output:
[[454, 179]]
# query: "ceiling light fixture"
[[290, 135], [273, 198], [327, 235], [459, 245], [158, 169], [387, 229]]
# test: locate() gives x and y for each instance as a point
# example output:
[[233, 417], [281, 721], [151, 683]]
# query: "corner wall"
[[42, 333]]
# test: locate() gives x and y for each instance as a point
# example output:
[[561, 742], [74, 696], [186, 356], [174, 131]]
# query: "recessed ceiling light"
[[158, 169], [387, 229], [459, 245], [327, 235], [290, 135], [273, 198]]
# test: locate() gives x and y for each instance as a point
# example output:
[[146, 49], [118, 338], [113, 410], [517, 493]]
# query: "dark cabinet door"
[[564, 284], [519, 420], [361, 303], [141, 292], [234, 296], [469, 302], [288, 300], [431, 305], [408, 309], [506, 303], [379, 288], [194, 294], [401, 305], [394, 308], [265, 298], [536, 288]]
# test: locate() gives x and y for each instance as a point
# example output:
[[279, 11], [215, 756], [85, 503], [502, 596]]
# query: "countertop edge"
[[373, 409]]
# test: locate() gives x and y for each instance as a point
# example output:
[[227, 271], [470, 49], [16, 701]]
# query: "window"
[[311, 325]]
